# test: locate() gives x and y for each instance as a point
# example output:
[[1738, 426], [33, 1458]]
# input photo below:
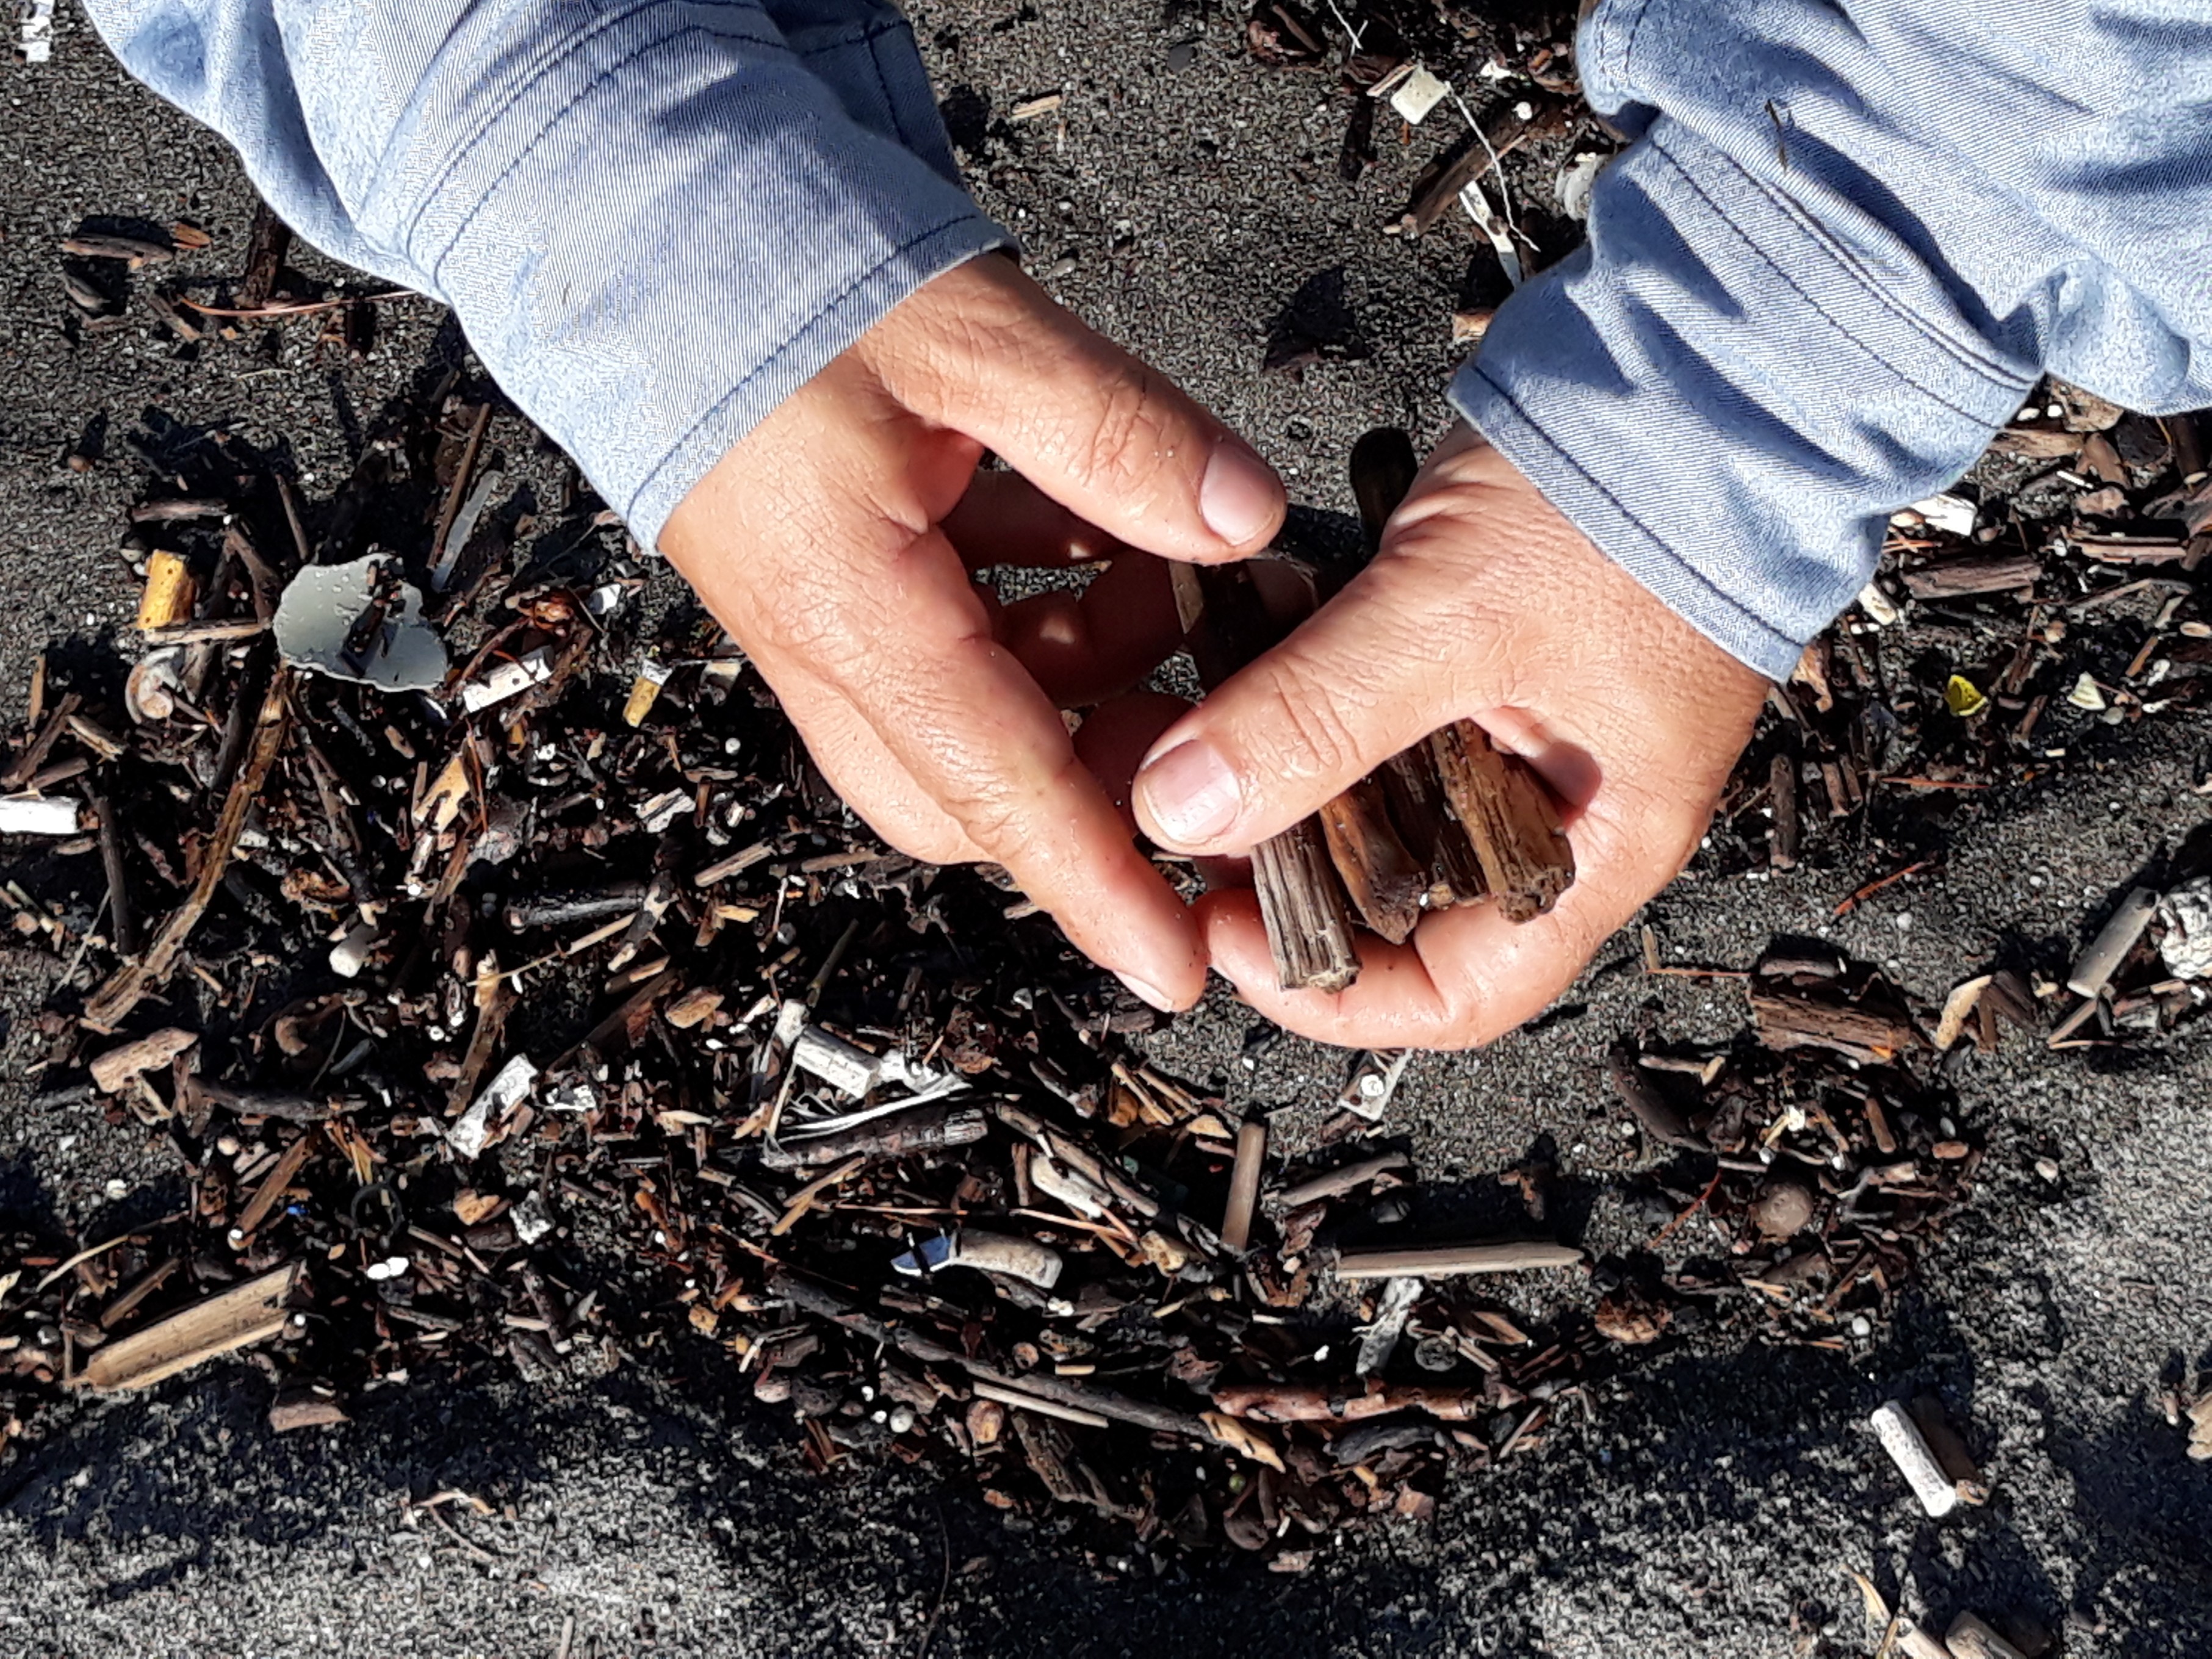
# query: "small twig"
[[1873, 887], [297, 308], [1696, 1205]]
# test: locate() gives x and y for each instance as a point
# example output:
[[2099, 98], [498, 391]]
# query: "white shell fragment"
[[1576, 182], [2186, 915], [320, 610], [1880, 610], [150, 692], [1901, 1438], [2086, 694], [38, 815], [532, 1220]]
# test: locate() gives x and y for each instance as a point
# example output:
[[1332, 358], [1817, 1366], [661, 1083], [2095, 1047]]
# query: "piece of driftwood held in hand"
[[1450, 821], [245, 1314]]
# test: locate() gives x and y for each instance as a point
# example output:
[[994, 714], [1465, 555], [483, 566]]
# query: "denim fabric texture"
[[1847, 238]]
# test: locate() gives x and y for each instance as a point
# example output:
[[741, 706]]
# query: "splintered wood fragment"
[[1436, 189], [245, 1314], [112, 1003], [1324, 1402], [1387, 883], [1437, 840], [1781, 791], [1784, 1021], [1303, 903], [1442, 1260], [1646, 1105], [1526, 857], [266, 245]]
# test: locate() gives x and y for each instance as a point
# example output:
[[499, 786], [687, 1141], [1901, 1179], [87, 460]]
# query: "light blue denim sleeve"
[[654, 219], [1849, 237]]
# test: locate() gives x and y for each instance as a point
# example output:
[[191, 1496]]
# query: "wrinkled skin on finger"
[[1483, 602], [837, 544]]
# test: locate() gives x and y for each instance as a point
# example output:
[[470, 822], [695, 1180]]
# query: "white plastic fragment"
[[1576, 181], [1374, 1080], [36, 41], [323, 607], [350, 954], [2186, 915], [1952, 514], [391, 1267], [471, 1131], [1418, 93], [845, 1068], [1901, 1438], [1880, 610], [1493, 225], [1381, 1338], [508, 679], [38, 815], [531, 1218]]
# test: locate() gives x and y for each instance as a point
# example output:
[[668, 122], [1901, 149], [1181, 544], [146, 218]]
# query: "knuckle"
[[1119, 450], [1306, 728]]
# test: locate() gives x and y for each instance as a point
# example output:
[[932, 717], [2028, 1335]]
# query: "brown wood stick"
[[1323, 1402], [1509, 816], [112, 1003], [1442, 1260], [1425, 824], [1244, 1185]]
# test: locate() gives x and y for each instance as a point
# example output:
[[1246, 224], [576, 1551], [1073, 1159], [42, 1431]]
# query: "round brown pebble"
[[1951, 1150]]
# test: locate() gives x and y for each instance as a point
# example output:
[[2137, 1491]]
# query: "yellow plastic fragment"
[[168, 594], [1963, 698]]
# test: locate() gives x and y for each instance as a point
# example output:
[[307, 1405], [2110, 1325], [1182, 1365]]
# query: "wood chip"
[[245, 1314]]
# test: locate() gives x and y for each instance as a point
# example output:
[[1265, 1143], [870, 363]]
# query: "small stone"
[[1782, 1210], [2048, 1168]]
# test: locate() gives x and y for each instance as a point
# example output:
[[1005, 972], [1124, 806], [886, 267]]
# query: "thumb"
[[984, 350], [1378, 668]]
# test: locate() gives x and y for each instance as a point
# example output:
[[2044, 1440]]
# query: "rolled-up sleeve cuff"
[[1727, 396], [656, 233]]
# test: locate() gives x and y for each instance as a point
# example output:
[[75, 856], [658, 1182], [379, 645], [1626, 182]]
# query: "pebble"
[[2048, 1168]]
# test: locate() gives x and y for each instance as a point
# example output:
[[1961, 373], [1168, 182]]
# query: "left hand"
[[1484, 602]]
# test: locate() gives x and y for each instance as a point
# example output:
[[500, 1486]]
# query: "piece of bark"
[[112, 1003], [122, 914], [271, 1192], [1443, 1260], [112, 1070], [1781, 791], [2034, 443], [1324, 1402], [1646, 1105], [1527, 859], [1303, 904], [928, 1128], [1386, 883], [266, 245], [303, 1408], [1784, 1021], [1973, 573], [1426, 826], [245, 1314]]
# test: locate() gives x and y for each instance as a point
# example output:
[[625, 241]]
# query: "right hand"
[[836, 543]]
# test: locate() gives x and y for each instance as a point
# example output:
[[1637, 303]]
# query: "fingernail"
[[1240, 494], [1191, 793], [1159, 998]]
